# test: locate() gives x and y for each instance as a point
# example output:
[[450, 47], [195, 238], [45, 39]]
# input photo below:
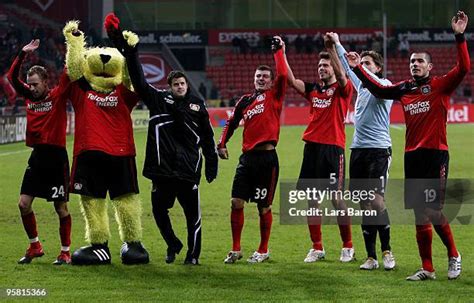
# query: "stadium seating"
[[235, 75]]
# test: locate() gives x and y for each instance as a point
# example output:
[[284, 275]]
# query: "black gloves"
[[112, 26], [211, 172], [276, 44]]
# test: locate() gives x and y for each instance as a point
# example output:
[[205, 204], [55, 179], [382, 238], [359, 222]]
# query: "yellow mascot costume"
[[104, 151]]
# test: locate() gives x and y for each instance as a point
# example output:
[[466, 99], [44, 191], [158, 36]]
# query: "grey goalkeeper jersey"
[[372, 115]]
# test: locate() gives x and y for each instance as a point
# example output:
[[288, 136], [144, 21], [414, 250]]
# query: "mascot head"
[[103, 67]]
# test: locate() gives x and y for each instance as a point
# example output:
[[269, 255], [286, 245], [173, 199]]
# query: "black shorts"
[[256, 177], [47, 174], [426, 173], [323, 161], [95, 172], [369, 168]]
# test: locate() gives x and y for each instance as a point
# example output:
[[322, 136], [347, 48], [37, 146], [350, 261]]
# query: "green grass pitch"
[[284, 278]]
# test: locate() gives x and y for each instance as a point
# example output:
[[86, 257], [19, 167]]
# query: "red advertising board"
[[458, 113]]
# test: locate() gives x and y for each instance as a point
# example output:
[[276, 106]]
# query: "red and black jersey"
[[329, 105], [260, 112], [102, 120], [46, 119], [425, 102]]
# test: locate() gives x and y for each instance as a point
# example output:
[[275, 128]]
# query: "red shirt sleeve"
[[280, 82], [454, 77], [233, 122], [13, 76], [394, 91], [63, 85], [64, 81], [347, 90]]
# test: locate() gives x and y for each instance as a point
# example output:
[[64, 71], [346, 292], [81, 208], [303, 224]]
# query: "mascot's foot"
[[96, 254], [134, 253]]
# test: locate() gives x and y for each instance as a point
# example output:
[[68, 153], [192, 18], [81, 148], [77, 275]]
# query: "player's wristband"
[[460, 37]]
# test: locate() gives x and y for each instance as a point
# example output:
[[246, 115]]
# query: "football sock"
[[345, 230], [384, 230], [444, 232], [65, 232], [29, 223], [265, 229], [384, 235], [237, 224], [370, 237], [424, 235], [314, 226]]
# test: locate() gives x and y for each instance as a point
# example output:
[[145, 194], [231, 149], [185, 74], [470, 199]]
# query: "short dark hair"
[[426, 53], [38, 70], [266, 67], [175, 74], [324, 55], [378, 59]]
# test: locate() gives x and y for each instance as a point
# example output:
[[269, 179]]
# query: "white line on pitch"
[[14, 152]]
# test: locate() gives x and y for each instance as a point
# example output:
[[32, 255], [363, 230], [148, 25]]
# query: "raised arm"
[[369, 80], [127, 44], [14, 71], [75, 47], [341, 51], [280, 82], [455, 76], [291, 79], [340, 73]]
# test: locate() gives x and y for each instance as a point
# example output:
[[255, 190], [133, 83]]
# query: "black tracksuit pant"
[[163, 195]]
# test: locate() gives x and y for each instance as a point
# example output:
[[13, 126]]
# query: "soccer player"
[[256, 175], [371, 153], [178, 129], [47, 173], [325, 142], [425, 101]]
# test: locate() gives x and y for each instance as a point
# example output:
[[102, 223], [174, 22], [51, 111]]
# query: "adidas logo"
[[101, 254], [77, 186], [195, 187]]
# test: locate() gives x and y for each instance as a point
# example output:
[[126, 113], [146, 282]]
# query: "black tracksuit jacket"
[[178, 128]]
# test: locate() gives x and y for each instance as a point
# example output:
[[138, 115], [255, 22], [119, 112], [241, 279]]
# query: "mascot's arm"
[[75, 45], [126, 42]]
